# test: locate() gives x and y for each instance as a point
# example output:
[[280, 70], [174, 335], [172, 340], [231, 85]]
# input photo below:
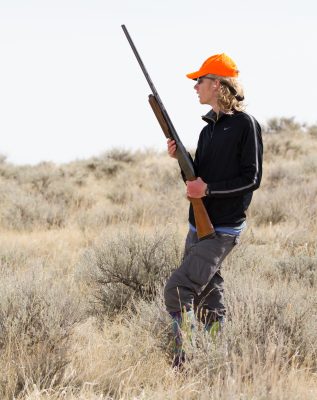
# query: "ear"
[[216, 84]]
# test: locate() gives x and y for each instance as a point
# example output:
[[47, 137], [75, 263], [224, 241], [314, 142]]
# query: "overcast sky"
[[71, 88]]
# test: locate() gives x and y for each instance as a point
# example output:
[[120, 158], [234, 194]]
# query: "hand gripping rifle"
[[203, 224]]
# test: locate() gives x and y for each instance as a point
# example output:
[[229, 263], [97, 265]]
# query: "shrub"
[[121, 155], [24, 210], [110, 163], [278, 125], [129, 266], [312, 130], [272, 212], [278, 313], [283, 147], [300, 268], [36, 322]]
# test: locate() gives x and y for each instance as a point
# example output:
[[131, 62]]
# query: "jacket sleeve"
[[250, 173]]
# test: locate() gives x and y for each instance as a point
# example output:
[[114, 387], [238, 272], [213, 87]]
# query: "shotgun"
[[203, 224]]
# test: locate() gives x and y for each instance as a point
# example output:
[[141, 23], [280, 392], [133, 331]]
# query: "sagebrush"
[[84, 252]]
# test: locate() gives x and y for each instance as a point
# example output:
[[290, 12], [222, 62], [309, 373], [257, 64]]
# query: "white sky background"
[[70, 86]]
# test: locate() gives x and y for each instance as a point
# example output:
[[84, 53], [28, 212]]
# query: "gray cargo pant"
[[198, 283]]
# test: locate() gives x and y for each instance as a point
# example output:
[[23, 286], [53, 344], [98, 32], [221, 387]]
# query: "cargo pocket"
[[201, 265]]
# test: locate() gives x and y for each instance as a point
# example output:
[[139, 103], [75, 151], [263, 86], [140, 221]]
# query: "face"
[[207, 90]]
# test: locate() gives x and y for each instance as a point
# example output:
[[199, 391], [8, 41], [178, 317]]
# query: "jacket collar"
[[211, 116]]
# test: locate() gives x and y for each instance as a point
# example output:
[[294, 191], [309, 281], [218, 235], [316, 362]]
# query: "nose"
[[196, 86]]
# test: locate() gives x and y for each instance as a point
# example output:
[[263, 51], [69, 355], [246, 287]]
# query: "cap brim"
[[194, 75]]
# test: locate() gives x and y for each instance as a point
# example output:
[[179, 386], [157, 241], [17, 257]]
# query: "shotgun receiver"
[[203, 224]]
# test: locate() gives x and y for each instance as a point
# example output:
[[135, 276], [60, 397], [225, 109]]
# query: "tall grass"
[[85, 249]]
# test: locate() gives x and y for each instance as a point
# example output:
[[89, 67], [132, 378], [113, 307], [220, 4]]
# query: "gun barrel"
[[151, 84], [137, 55]]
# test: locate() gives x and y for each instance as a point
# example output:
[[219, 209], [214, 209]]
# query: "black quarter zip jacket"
[[229, 159]]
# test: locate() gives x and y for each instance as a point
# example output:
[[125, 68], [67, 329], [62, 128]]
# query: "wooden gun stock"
[[204, 226]]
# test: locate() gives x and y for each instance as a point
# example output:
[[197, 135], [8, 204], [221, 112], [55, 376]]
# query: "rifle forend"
[[203, 224], [182, 155]]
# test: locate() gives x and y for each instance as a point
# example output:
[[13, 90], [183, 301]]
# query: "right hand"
[[171, 148]]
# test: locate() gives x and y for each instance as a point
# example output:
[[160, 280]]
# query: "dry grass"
[[85, 248]]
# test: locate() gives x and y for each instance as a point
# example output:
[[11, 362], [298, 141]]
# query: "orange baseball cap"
[[219, 64]]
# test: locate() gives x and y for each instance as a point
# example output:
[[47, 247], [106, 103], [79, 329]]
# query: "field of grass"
[[85, 249]]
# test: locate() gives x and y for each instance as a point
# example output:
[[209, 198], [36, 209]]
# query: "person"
[[228, 166]]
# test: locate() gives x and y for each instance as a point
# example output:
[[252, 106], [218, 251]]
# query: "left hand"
[[196, 189]]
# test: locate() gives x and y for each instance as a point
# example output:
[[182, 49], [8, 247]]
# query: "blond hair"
[[230, 95]]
